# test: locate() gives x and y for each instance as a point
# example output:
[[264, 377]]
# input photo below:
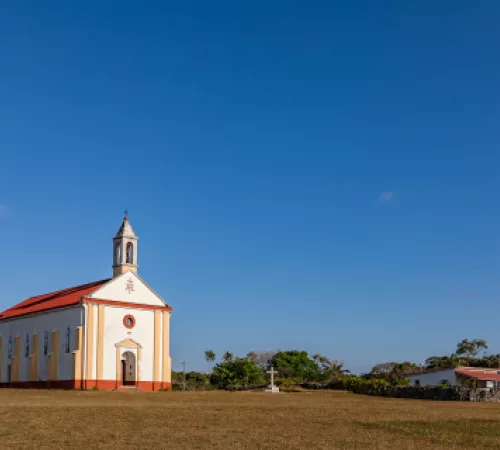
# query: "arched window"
[[117, 254], [45, 342], [27, 346], [68, 336], [130, 253]]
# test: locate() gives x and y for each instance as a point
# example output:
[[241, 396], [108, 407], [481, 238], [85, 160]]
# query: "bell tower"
[[124, 249]]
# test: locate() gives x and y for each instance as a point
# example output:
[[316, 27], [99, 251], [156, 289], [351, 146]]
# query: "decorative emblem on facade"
[[130, 285], [129, 321]]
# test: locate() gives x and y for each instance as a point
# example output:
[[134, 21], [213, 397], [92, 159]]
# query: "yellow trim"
[[118, 367], [17, 357], [54, 356], [90, 342], [34, 359], [128, 343], [139, 355], [77, 354], [100, 341], [156, 362], [166, 344]]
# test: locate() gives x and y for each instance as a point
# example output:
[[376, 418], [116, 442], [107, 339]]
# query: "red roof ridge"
[[481, 373]]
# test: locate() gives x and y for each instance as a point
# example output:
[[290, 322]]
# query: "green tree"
[[209, 358], [297, 364], [470, 349], [394, 372], [491, 361], [228, 356], [237, 372], [336, 370], [441, 362], [194, 381]]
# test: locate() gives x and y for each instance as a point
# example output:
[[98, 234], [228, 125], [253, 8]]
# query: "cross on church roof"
[[126, 212]]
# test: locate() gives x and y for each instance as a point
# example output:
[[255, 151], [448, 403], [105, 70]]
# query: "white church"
[[108, 334]]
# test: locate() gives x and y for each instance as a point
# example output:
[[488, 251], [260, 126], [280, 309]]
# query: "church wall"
[[39, 323], [142, 333]]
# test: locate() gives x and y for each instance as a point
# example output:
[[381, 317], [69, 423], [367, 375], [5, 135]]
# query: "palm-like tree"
[[252, 356], [228, 356], [325, 362], [316, 357], [337, 369], [209, 358]]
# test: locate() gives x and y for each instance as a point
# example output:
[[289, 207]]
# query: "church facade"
[[108, 334]]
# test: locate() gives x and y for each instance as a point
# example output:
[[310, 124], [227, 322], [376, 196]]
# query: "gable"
[[128, 288]]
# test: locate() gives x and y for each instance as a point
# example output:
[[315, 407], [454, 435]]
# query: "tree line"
[[293, 367], [466, 354], [296, 367]]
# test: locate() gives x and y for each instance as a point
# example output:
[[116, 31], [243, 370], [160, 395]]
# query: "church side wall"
[[36, 368]]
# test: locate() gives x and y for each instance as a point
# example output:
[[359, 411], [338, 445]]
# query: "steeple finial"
[[126, 213]]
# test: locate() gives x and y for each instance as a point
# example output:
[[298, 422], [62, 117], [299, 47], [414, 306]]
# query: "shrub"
[[236, 374]]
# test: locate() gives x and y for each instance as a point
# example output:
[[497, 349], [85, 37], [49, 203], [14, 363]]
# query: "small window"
[[129, 321], [10, 347], [45, 342], [67, 341], [417, 383], [129, 253], [117, 254], [27, 346]]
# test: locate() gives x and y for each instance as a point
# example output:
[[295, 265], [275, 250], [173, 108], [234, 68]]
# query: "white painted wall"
[[38, 323], [435, 378], [142, 333], [117, 289]]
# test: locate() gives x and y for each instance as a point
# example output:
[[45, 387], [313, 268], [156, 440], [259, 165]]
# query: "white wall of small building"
[[39, 323], [434, 378]]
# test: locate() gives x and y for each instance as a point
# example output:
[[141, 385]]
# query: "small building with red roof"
[[106, 334], [479, 377]]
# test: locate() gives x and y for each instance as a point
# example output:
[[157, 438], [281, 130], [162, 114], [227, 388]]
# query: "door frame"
[[121, 347]]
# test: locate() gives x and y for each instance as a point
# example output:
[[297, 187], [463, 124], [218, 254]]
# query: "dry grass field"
[[118, 420]]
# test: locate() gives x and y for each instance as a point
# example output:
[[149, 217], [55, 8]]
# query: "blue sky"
[[313, 175]]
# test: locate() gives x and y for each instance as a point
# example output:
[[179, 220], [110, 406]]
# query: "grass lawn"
[[67, 419]]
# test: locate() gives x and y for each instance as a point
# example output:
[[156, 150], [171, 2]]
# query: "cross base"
[[273, 389]]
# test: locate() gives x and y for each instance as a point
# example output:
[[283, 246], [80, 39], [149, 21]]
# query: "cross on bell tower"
[[125, 249]]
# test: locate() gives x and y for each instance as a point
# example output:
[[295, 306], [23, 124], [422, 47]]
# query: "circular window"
[[129, 321]]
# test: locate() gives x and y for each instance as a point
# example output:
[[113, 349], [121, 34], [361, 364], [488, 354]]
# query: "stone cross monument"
[[272, 388]]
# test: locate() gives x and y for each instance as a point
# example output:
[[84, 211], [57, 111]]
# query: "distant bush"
[[237, 374], [195, 381]]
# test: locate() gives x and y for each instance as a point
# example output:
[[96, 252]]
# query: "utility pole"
[[183, 375]]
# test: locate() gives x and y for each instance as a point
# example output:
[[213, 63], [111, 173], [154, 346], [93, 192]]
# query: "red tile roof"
[[66, 297], [480, 374]]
